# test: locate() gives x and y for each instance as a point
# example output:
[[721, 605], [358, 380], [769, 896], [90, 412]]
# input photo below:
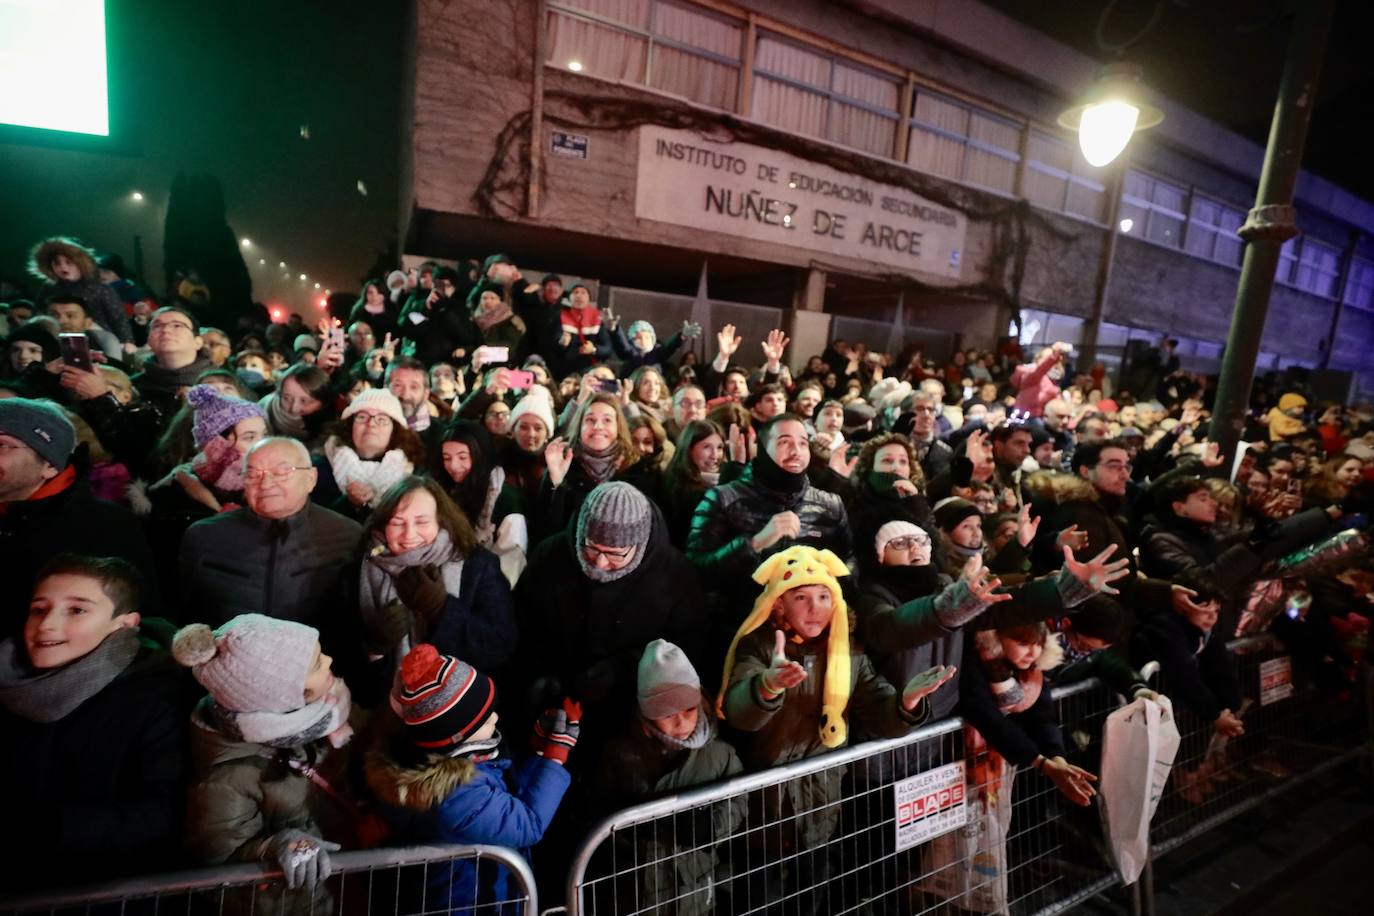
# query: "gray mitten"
[[957, 605], [304, 859], [1073, 591]]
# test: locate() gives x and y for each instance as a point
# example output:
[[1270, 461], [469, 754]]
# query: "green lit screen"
[[52, 65]]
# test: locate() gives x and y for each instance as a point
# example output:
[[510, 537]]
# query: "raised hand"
[[612, 319], [1026, 527], [1190, 416], [773, 347], [1071, 538], [981, 583], [842, 466], [690, 330], [782, 674], [977, 451], [1097, 573], [558, 457], [782, 525], [389, 347], [1211, 455], [626, 388], [727, 341], [739, 448], [924, 684]]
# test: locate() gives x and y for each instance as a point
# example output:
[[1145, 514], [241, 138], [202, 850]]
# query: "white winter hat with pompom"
[[253, 663]]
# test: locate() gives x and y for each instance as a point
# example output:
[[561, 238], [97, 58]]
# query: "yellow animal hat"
[[782, 572]]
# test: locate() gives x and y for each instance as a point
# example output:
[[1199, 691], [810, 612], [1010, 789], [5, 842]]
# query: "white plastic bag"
[[1139, 743]]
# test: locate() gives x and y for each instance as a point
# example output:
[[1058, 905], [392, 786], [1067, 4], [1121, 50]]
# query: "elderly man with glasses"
[[281, 555], [131, 432]]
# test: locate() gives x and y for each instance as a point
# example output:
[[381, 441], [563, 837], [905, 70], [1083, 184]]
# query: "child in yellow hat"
[[795, 683]]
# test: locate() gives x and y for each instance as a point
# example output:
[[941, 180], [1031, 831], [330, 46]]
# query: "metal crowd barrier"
[[1291, 735], [901, 826], [912, 824], [408, 881], [904, 825]]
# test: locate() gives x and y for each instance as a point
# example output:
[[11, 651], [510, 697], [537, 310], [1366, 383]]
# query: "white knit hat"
[[537, 401], [378, 399], [253, 663], [668, 684], [898, 528]]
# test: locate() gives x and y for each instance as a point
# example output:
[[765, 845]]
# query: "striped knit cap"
[[441, 699]]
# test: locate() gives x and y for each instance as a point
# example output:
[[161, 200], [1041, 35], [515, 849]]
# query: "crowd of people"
[[475, 563]]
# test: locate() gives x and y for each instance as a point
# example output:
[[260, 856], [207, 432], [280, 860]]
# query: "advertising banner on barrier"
[[929, 804], [1276, 680], [767, 195]]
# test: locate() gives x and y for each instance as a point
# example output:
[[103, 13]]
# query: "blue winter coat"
[[454, 800]]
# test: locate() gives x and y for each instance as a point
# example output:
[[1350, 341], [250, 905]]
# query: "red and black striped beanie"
[[441, 700]]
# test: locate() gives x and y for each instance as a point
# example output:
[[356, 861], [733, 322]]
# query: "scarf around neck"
[[327, 717], [704, 732], [908, 583], [601, 465], [172, 380], [772, 476], [49, 695], [485, 320], [283, 423], [381, 568]]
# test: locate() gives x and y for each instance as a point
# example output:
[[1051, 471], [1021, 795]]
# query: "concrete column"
[[806, 323]]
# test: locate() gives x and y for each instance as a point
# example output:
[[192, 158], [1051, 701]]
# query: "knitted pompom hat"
[[253, 663], [441, 700], [216, 413], [780, 573]]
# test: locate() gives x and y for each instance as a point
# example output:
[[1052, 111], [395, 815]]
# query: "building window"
[[1288, 262], [1319, 268], [1156, 209], [656, 43], [1359, 288], [1059, 178], [1212, 231], [814, 94], [962, 143]]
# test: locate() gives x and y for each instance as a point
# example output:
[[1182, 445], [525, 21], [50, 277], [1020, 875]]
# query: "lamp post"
[[1271, 222], [1111, 113]]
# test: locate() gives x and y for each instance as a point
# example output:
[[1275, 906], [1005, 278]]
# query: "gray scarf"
[[48, 696], [379, 570], [600, 466], [297, 728], [283, 423], [705, 731]]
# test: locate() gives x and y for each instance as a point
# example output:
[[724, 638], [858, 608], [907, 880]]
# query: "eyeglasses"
[[280, 472], [372, 419], [616, 555], [169, 325], [909, 542]]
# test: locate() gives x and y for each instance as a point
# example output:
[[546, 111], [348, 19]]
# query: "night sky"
[[224, 88]]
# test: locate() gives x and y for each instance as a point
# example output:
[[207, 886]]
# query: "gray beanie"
[[253, 663], [42, 426], [668, 684], [614, 514]]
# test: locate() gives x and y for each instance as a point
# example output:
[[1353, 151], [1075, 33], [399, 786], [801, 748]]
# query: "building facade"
[[837, 159]]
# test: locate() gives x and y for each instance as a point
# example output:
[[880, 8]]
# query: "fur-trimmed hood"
[[41, 258], [990, 648], [1057, 488], [419, 788]]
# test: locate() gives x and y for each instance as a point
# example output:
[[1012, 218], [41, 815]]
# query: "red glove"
[[556, 732]]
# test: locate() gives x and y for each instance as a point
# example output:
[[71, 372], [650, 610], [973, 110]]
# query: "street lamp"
[[137, 197], [247, 243], [1112, 112]]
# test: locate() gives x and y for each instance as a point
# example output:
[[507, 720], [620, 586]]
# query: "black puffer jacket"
[[731, 514]]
